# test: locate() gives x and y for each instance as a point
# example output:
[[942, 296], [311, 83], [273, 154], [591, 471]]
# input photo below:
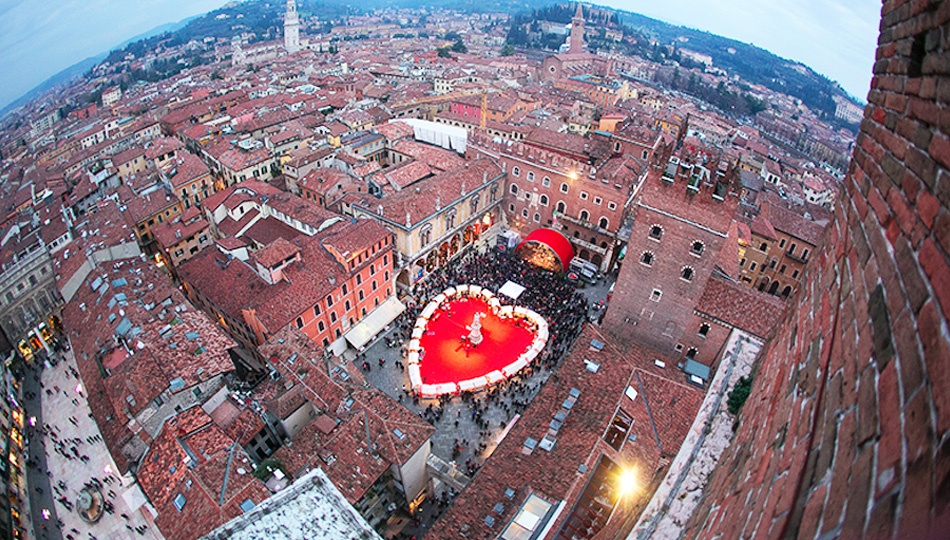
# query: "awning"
[[373, 324], [511, 290], [695, 368]]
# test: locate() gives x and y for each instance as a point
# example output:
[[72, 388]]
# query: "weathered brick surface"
[[847, 431]]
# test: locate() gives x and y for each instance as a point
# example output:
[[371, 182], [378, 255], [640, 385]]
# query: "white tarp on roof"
[[372, 324], [446, 136], [511, 290]]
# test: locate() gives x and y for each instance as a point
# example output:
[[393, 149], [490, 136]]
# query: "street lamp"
[[627, 482]]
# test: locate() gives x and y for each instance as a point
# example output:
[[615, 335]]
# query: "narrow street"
[[41, 495]]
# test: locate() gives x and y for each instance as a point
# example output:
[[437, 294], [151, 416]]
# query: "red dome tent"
[[548, 249]]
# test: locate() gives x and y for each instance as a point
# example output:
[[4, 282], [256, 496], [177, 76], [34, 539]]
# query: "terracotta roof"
[[421, 201], [166, 341], [196, 476], [740, 306], [561, 473], [344, 452], [275, 252]]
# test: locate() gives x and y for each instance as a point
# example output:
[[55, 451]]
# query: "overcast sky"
[[835, 37]]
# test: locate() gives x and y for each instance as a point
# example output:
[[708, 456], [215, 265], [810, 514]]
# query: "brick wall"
[[846, 431]]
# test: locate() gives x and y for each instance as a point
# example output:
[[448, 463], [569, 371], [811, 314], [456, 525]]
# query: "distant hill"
[[752, 64]]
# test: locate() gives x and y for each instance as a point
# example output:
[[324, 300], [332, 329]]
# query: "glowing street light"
[[627, 482]]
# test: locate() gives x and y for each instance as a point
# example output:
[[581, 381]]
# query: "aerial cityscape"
[[455, 271]]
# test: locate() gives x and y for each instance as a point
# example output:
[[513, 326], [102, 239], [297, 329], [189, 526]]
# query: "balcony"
[[796, 257]]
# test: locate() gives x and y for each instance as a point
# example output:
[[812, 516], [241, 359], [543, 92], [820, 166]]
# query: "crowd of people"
[[547, 293]]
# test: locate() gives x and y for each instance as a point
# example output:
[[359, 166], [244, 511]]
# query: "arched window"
[[513, 189], [584, 215], [516, 171], [647, 258], [656, 232], [603, 223], [697, 248], [703, 329], [320, 326], [564, 187], [545, 181], [537, 217], [530, 176], [764, 247], [543, 200], [686, 274], [691, 353]]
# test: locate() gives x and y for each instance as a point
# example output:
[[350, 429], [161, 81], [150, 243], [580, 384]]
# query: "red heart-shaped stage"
[[443, 358]]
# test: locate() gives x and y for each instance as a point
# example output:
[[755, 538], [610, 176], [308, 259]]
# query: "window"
[[647, 258], [791, 248], [781, 243], [346, 306], [180, 502], [697, 248], [360, 295], [656, 232], [359, 279], [320, 326], [656, 294], [585, 215], [598, 201], [603, 223], [345, 290], [782, 269], [561, 207], [546, 182], [330, 301], [530, 176], [527, 195], [386, 276], [515, 171], [703, 329], [372, 269], [513, 189], [752, 266], [373, 285], [804, 253], [564, 187], [537, 217], [332, 316], [299, 322], [686, 274], [764, 247], [742, 262], [385, 259], [644, 154], [691, 353], [543, 199], [511, 208], [524, 212], [795, 274], [584, 195]]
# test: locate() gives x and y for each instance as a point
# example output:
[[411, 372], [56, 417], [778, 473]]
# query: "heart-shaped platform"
[[442, 357]]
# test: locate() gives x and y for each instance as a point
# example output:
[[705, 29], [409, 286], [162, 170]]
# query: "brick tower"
[[681, 234], [576, 44], [847, 431]]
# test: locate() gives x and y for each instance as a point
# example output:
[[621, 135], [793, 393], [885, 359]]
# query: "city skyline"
[[31, 38]]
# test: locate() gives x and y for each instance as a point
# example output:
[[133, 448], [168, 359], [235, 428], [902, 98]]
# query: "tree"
[[459, 46], [507, 50], [444, 52]]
